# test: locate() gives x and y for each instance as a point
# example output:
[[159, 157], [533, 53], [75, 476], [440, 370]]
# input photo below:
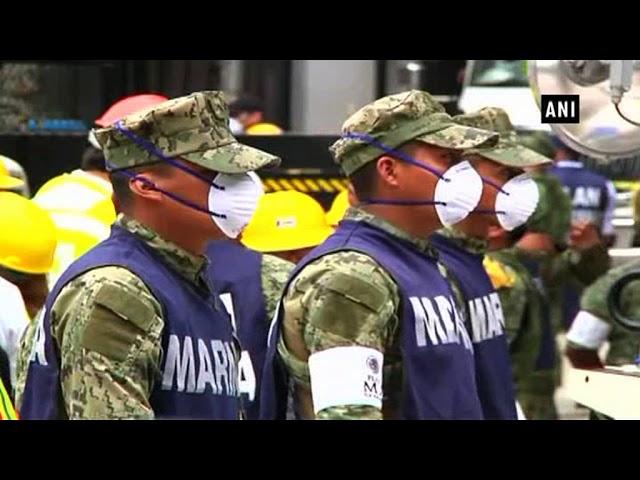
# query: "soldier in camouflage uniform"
[[346, 309], [509, 198], [127, 316], [519, 275], [594, 323]]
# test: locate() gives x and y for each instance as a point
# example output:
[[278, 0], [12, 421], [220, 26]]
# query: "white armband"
[[346, 376], [588, 331]]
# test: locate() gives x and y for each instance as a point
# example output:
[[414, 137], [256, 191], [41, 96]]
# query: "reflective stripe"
[[7, 412]]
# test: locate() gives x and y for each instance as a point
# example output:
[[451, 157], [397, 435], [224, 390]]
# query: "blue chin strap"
[[408, 159], [153, 150], [405, 158]]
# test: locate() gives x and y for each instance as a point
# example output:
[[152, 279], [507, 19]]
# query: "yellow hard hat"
[[78, 193], [287, 220], [27, 235], [7, 182], [338, 208], [263, 129]]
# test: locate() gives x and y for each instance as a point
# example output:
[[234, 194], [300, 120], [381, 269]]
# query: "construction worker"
[[360, 332], [27, 245], [287, 224], [508, 199], [133, 328]]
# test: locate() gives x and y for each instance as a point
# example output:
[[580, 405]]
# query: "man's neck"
[[400, 219], [193, 244]]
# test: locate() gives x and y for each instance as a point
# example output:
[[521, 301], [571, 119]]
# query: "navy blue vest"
[[199, 370], [588, 192], [235, 273], [437, 353], [485, 322]]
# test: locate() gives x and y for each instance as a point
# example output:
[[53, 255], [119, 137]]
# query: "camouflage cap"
[[539, 142], [194, 128], [397, 119], [508, 151]]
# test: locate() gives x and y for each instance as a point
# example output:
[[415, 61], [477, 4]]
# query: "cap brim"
[[459, 137], [233, 158], [9, 183], [513, 156]]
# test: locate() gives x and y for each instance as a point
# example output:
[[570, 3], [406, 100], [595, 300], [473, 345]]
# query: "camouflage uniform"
[[274, 273], [570, 265], [624, 344], [347, 298], [106, 322], [523, 302], [22, 362], [525, 298], [520, 297]]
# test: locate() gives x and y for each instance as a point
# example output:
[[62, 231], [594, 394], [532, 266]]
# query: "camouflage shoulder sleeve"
[[108, 326], [274, 274], [26, 343], [344, 298]]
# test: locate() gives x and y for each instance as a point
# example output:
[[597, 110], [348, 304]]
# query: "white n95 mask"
[[233, 199], [457, 193], [516, 201]]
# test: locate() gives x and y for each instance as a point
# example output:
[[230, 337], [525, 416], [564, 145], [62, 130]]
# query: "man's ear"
[[387, 168], [143, 187]]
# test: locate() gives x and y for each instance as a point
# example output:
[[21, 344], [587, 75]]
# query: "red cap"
[[127, 106]]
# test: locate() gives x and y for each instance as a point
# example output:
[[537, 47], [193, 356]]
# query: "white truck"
[[504, 84]]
